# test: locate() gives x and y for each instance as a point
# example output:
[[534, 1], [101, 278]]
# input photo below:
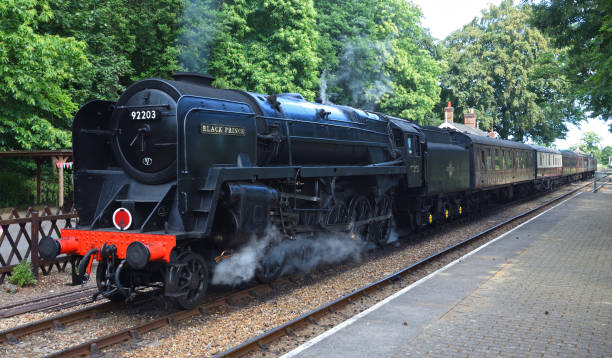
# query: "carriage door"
[[413, 160]]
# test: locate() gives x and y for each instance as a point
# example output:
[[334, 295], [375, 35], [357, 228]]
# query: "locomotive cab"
[[408, 140]]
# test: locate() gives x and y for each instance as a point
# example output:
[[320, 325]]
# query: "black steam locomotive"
[[177, 174]]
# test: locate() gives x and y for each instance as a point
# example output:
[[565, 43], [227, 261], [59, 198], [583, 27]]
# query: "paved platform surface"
[[543, 290]]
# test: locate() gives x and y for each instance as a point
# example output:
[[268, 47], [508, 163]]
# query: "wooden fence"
[[28, 230]]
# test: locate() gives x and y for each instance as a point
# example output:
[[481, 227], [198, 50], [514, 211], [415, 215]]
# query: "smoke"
[[360, 80], [323, 88], [302, 254], [393, 236], [199, 28], [241, 266]]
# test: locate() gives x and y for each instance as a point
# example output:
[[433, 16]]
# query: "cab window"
[[409, 144], [415, 146], [398, 136]]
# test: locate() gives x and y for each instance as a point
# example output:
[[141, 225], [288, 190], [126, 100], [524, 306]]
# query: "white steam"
[[303, 254], [361, 78], [323, 88], [199, 29]]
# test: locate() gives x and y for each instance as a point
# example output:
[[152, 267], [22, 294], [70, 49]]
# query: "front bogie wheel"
[[189, 278]]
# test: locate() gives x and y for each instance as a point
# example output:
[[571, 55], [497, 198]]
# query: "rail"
[[19, 237], [605, 178]]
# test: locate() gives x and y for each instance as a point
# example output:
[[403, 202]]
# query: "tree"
[[103, 27], [606, 154], [266, 46], [505, 69], [589, 143], [585, 29], [35, 71], [122, 45], [376, 55]]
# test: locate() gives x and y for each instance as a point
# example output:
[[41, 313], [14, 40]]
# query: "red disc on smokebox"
[[122, 219]]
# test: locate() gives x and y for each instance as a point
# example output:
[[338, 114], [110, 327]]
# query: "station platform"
[[541, 290]]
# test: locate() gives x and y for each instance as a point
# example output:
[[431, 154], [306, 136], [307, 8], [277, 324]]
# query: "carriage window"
[[503, 159], [497, 161], [483, 162], [489, 158], [510, 159]]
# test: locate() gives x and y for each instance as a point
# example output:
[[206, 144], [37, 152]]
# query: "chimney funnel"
[[469, 118], [491, 134], [448, 113]]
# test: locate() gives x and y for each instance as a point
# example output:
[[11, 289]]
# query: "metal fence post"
[[595, 182], [34, 249]]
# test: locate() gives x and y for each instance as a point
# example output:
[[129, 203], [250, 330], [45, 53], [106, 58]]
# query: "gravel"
[[222, 329]]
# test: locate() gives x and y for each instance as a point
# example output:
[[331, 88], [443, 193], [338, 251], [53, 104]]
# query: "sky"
[[442, 17]]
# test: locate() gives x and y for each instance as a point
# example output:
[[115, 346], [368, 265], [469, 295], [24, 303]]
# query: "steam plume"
[[321, 249]]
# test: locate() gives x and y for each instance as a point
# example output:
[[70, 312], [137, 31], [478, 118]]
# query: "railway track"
[[135, 332], [92, 312], [49, 303]]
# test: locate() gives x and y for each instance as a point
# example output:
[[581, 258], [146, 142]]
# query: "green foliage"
[[372, 54], [35, 71], [585, 29], [123, 44], [589, 143], [15, 190], [18, 184], [376, 55], [266, 46], [154, 27], [605, 155], [507, 70], [22, 274]]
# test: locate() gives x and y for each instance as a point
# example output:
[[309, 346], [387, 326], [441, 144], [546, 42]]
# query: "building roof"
[[463, 128]]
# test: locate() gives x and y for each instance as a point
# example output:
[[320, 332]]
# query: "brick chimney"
[[491, 134], [448, 113], [469, 118]]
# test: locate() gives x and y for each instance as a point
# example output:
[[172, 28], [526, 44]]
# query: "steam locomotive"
[[177, 174]]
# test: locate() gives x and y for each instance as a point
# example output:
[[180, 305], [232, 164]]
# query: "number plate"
[[144, 114]]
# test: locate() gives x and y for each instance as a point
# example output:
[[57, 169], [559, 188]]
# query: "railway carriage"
[[549, 167], [500, 162], [178, 175], [577, 165]]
